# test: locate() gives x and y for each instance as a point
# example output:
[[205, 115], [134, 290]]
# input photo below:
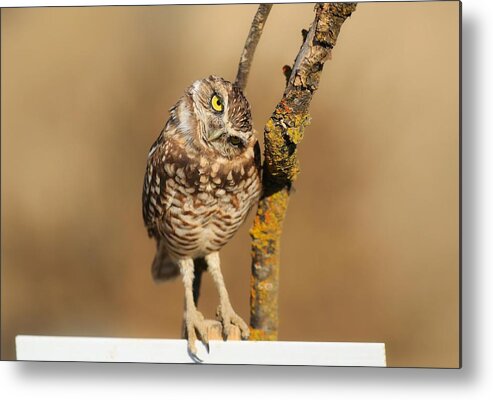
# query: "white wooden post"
[[60, 348]]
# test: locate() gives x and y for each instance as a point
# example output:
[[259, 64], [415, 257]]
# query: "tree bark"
[[282, 134]]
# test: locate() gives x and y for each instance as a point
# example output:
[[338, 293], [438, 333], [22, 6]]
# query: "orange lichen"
[[265, 233], [259, 334]]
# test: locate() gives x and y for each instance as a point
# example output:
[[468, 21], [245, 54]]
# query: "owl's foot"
[[195, 324], [228, 318]]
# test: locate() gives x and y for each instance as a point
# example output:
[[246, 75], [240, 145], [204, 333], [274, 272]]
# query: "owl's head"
[[223, 118]]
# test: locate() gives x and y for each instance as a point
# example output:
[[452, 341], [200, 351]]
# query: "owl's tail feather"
[[163, 268]]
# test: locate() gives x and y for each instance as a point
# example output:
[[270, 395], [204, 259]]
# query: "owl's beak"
[[215, 135]]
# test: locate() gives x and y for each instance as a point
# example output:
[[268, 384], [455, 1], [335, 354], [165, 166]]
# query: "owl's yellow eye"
[[217, 103]]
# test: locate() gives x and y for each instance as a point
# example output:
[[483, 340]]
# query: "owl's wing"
[[154, 194]]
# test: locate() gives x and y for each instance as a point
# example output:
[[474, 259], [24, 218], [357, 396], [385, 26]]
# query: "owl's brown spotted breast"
[[194, 201]]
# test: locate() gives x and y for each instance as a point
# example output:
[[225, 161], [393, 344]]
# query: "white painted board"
[[174, 351]]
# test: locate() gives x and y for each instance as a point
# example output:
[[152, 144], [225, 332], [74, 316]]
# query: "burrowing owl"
[[202, 179]]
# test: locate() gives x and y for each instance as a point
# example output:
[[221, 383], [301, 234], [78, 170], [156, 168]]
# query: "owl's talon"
[[228, 318], [191, 346], [226, 329], [205, 339], [195, 324], [245, 331]]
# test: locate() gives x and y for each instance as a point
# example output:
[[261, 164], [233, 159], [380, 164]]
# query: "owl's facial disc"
[[223, 115], [215, 134], [228, 141], [229, 137]]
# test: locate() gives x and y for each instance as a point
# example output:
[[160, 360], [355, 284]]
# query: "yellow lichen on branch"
[[264, 282], [282, 133]]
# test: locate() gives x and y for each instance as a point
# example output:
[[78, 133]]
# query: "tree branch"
[[282, 134], [251, 44]]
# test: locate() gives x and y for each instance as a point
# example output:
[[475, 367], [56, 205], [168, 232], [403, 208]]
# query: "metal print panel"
[[232, 184]]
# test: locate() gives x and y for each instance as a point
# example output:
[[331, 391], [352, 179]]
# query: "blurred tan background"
[[371, 242]]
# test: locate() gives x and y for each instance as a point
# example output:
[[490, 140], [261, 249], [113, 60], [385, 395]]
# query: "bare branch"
[[282, 133], [251, 44]]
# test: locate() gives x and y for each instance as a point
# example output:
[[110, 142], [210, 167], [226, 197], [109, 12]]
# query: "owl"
[[201, 181]]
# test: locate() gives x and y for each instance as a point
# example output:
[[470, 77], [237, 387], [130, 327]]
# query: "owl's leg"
[[225, 311], [194, 320]]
